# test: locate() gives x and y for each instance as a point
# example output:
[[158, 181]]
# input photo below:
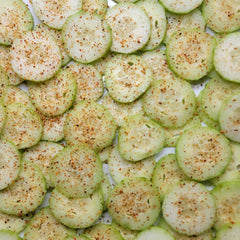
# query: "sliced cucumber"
[[190, 53], [130, 27], [106, 188], [86, 37], [26, 194], [139, 138], [127, 77], [35, 56], [154, 233], [203, 153], [56, 34], [229, 118], [89, 82], [44, 226], [23, 126], [156, 14], [5, 62], [4, 80], [16, 95], [172, 134], [134, 203], [170, 102], [227, 197], [215, 92], [222, 15], [167, 174], [14, 223], [42, 155], [226, 57], [90, 123], [10, 163], [120, 168], [231, 231], [95, 6], [103, 232], [105, 153], [55, 96], [76, 171], [77, 212], [157, 61], [15, 19], [189, 208], [126, 233], [8, 235], [175, 22], [54, 14]]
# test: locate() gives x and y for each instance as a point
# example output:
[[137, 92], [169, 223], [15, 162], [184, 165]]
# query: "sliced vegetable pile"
[[91, 99]]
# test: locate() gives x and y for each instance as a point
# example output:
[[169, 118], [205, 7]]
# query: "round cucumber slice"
[[91, 123], [139, 138], [226, 57], [231, 231], [76, 171], [190, 53], [134, 203], [127, 77], [203, 153], [130, 27], [189, 208], [86, 37]]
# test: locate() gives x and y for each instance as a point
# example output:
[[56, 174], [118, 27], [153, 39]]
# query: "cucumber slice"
[[5, 62], [3, 80], [139, 138], [208, 235], [127, 77], [16, 95], [190, 53], [103, 232], [95, 6], [203, 153], [105, 153], [189, 208], [89, 82], [42, 155], [57, 35], [76, 171], [184, 6], [170, 102], [157, 61], [231, 231], [8, 235], [121, 169], [55, 96], [175, 22], [120, 111], [82, 237], [26, 194], [54, 14], [10, 163], [86, 37], [15, 19], [90, 123], [134, 203], [126, 233], [23, 126], [167, 174], [232, 172], [130, 27], [44, 226], [2, 116], [154, 233], [215, 92], [229, 118], [172, 134], [77, 212], [222, 15], [156, 13], [35, 56], [227, 197], [226, 57], [106, 188]]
